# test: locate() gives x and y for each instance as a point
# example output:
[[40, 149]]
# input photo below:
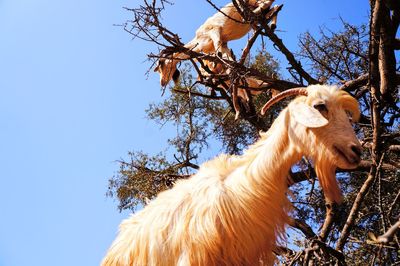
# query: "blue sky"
[[73, 91]]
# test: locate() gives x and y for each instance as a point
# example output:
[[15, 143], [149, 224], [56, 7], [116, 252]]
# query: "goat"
[[234, 210], [213, 36]]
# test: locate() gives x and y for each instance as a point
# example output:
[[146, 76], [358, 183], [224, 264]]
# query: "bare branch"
[[289, 55], [388, 235], [304, 228]]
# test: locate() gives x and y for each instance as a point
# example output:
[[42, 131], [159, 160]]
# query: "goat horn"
[[282, 95]]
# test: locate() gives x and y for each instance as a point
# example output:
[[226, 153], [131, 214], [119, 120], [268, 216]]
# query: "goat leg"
[[219, 46], [246, 100], [274, 19], [235, 101], [262, 6], [272, 15]]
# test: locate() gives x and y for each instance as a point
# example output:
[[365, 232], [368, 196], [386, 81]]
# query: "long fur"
[[213, 35], [234, 210]]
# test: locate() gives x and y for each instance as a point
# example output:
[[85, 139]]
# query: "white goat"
[[213, 36], [233, 211]]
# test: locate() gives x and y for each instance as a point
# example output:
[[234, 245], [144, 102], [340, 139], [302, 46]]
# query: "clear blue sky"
[[72, 96]]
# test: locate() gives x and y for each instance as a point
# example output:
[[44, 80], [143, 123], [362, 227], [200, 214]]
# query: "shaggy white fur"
[[234, 210]]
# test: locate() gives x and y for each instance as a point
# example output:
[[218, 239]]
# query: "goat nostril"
[[356, 149]]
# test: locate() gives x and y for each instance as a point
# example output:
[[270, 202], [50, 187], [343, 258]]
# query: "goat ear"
[[176, 75], [306, 115]]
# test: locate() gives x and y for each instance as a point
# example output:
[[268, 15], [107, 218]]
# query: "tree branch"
[[304, 228], [331, 212], [389, 234], [211, 97], [289, 55], [355, 83]]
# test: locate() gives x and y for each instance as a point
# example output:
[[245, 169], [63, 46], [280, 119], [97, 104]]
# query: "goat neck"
[[259, 184]]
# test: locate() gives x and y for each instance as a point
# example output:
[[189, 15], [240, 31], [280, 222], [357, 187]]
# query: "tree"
[[361, 58]]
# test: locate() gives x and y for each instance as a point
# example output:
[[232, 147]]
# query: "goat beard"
[[327, 178]]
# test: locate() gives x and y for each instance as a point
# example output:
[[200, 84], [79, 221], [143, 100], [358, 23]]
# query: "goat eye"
[[321, 107]]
